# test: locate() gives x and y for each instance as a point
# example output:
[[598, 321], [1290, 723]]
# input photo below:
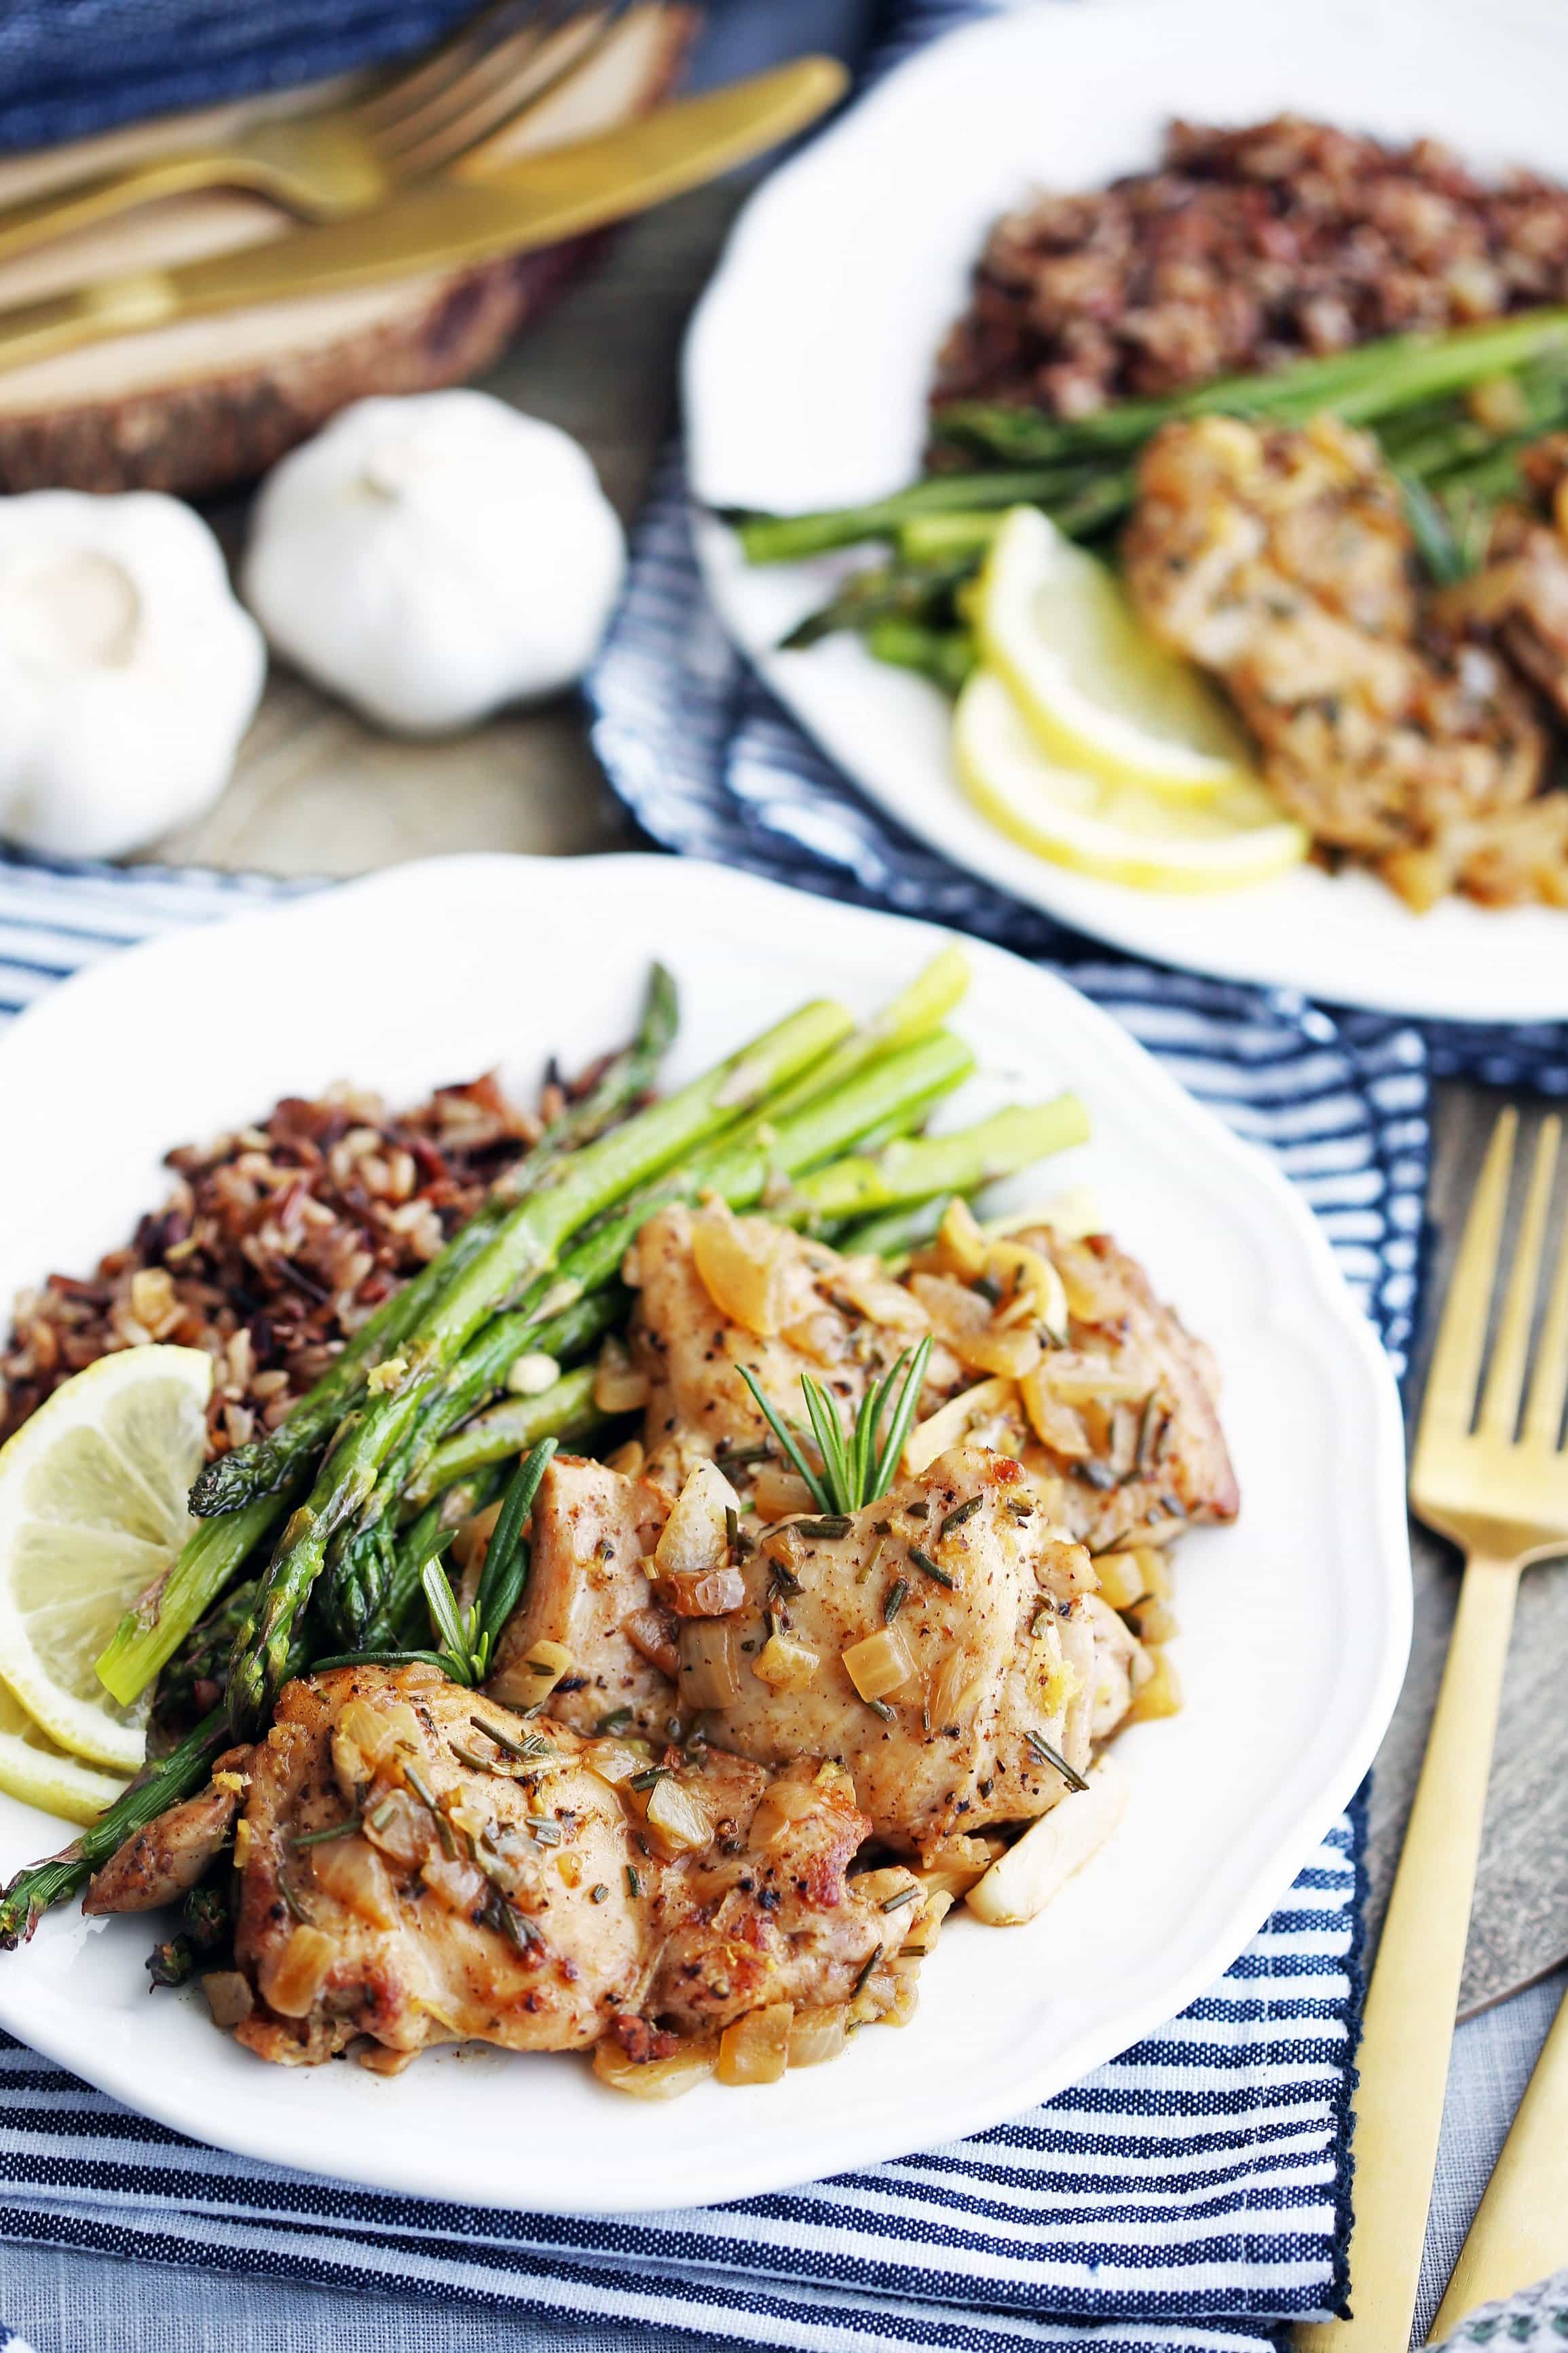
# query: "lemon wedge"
[[92, 1511], [1233, 835], [1098, 692], [37, 1773]]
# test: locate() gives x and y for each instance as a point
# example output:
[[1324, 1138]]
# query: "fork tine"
[[1461, 1336], [434, 70], [508, 81], [1500, 1403], [1549, 1383]]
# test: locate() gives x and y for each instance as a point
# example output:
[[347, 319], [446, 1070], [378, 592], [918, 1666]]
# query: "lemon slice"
[[1233, 836], [92, 1510], [1097, 689], [33, 1770]]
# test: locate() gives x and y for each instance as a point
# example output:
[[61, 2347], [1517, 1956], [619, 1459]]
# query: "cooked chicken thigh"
[[471, 1883], [716, 1292], [588, 1589], [1125, 1415], [936, 1642], [1280, 559], [418, 1864]]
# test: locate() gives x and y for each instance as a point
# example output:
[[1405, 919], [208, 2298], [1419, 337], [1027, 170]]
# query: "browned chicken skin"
[[987, 1646], [418, 1864], [588, 1589], [1280, 559], [816, 1310]]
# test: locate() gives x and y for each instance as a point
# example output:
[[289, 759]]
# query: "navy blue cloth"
[[68, 68]]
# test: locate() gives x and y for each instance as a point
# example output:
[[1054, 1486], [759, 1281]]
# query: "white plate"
[[808, 364], [1296, 1622]]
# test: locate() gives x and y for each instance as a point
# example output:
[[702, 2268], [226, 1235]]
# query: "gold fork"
[[345, 159], [1499, 1490]]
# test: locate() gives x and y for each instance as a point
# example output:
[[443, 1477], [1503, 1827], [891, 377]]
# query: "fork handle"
[[1520, 2234], [88, 203], [1408, 2026]]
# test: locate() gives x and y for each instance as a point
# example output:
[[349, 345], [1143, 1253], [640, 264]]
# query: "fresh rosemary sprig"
[[467, 1638], [857, 1469]]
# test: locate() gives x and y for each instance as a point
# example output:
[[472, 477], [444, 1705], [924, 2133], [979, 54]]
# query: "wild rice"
[[274, 1244], [1243, 249]]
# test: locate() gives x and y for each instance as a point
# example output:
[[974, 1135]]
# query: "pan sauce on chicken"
[[1280, 560], [773, 1745]]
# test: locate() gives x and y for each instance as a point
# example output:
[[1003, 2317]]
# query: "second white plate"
[[811, 354]]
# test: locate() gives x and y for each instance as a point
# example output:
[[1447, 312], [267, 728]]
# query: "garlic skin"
[[128, 670], [432, 558]]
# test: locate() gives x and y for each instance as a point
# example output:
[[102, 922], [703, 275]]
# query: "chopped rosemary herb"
[[475, 1763], [1152, 1430], [905, 1895], [1095, 1474], [859, 1468], [866, 1966], [923, 1561], [501, 1913], [1020, 1507], [830, 1525], [879, 1707], [525, 1750], [1049, 1756], [418, 1784], [599, 1895], [345, 1829], [545, 1832], [731, 1526], [918, 1510], [736, 1458], [292, 1901], [385, 1813], [616, 1721], [960, 1513], [650, 1780], [990, 1291], [633, 1883], [897, 1595]]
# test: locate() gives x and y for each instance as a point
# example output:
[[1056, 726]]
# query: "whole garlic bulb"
[[128, 670], [432, 558]]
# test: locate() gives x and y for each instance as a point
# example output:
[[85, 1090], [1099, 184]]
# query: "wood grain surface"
[[316, 791]]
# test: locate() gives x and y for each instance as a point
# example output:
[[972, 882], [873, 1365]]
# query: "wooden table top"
[[316, 792]]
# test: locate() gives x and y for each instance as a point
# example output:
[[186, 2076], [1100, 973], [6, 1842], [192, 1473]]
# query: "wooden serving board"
[[200, 406]]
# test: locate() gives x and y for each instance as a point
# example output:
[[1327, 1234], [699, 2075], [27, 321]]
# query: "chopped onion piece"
[[677, 1817], [755, 2049], [696, 1537], [743, 1267], [299, 1972], [784, 1664], [710, 1663], [229, 1996], [878, 1663], [653, 2079], [818, 2034], [351, 1872]]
